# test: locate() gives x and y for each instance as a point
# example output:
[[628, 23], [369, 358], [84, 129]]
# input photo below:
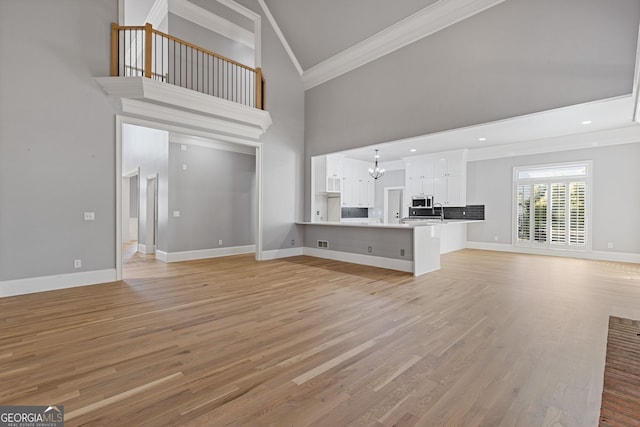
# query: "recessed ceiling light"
[[413, 150], [587, 122], [482, 139]]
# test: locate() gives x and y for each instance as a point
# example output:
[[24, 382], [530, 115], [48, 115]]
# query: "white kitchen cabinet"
[[357, 185], [442, 175], [328, 173]]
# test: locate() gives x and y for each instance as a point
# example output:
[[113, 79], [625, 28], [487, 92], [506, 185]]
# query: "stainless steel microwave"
[[422, 202]]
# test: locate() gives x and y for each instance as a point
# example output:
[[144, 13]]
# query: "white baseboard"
[[281, 253], [595, 255], [370, 260], [142, 248], [204, 253], [31, 285]]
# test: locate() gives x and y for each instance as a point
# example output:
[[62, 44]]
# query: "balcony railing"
[[145, 52]]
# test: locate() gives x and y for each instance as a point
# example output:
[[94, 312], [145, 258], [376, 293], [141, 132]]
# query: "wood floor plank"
[[492, 339]]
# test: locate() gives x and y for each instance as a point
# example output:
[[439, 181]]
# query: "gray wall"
[[136, 11], [210, 40], [148, 149], [215, 196], [616, 199], [283, 149], [384, 242], [389, 179], [57, 150], [519, 57]]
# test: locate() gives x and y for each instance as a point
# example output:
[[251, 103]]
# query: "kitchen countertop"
[[408, 226]]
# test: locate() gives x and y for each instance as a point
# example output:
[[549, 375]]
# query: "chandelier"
[[376, 172]]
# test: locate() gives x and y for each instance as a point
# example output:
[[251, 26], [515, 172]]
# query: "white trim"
[[259, 202], [143, 96], [31, 285], [139, 121], [238, 8], [423, 23], [157, 14], [212, 22], [120, 120], [204, 253], [588, 179], [370, 260], [283, 40], [594, 255], [635, 93], [168, 114], [142, 248], [385, 206], [176, 138], [282, 253], [622, 135]]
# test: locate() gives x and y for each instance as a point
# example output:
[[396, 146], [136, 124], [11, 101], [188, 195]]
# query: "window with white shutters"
[[550, 206]]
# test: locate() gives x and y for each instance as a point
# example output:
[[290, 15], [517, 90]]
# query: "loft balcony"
[[158, 76]]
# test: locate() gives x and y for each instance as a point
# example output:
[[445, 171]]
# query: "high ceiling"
[[317, 30]]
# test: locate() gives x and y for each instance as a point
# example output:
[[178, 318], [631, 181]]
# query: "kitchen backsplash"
[[355, 212], [467, 212]]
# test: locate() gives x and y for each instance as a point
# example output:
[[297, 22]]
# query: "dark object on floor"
[[621, 393]]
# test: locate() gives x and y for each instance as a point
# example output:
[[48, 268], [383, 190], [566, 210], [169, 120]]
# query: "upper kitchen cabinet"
[[328, 173], [357, 185], [441, 175], [450, 178]]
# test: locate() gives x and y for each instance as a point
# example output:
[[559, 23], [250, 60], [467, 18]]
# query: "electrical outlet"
[[293, 242], [77, 263], [401, 252], [495, 238], [369, 249], [183, 147], [610, 245], [89, 216], [220, 242], [323, 244], [184, 166], [176, 214]]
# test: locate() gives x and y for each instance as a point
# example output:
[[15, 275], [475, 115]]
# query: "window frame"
[[588, 179]]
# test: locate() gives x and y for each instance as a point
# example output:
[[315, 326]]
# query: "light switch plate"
[[89, 216]]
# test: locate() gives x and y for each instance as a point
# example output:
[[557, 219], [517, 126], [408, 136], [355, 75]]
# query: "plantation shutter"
[[540, 213], [577, 228], [524, 212], [558, 213]]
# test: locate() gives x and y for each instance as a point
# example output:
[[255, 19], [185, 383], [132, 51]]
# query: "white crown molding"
[[238, 8], [174, 104], [158, 13], [204, 253], [423, 23], [622, 135], [177, 138], [283, 40], [211, 21], [172, 115], [370, 260], [31, 285], [595, 255]]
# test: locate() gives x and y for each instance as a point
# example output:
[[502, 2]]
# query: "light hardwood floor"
[[491, 339]]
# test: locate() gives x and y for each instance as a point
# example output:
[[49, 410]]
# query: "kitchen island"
[[414, 248]]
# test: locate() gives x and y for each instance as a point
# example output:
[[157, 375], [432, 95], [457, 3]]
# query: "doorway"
[[393, 197]]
